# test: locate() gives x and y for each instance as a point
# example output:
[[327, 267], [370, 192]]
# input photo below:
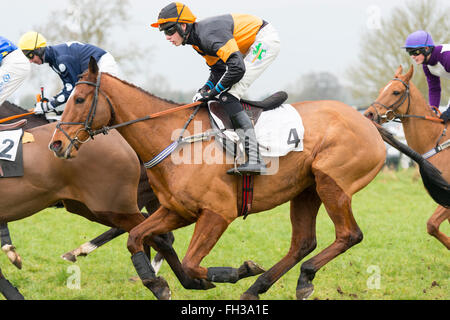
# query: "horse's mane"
[[135, 87], [8, 109]]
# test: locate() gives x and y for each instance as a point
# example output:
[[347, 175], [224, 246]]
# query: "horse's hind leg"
[[338, 206], [304, 210], [8, 248], [440, 215], [8, 290], [93, 244]]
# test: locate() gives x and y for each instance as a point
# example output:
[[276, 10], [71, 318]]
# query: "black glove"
[[205, 96], [445, 115]]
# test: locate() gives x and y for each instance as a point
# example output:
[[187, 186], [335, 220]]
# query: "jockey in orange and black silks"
[[237, 48]]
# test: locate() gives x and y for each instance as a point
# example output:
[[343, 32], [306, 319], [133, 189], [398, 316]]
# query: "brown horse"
[[424, 131], [146, 197], [100, 188], [334, 165]]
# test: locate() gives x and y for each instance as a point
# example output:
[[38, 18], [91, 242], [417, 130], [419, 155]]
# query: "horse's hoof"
[[206, 285], [249, 269], [69, 256], [253, 268], [249, 296], [305, 292], [159, 287], [12, 255]]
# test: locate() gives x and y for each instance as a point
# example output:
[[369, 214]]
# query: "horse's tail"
[[436, 185]]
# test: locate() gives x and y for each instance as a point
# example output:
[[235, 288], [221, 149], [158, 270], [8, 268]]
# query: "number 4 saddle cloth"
[[278, 127]]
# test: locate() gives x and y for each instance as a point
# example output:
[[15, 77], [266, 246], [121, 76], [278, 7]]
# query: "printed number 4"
[[293, 137], [4, 152]]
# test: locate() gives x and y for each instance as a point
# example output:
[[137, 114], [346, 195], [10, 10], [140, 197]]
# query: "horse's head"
[[393, 100], [87, 111]]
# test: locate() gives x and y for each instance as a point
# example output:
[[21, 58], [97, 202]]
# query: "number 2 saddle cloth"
[[278, 127], [11, 150]]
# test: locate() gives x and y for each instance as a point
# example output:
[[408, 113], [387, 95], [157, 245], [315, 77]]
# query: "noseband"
[[390, 113], [90, 117]]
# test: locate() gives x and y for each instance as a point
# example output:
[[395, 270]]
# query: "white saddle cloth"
[[9, 142], [278, 131]]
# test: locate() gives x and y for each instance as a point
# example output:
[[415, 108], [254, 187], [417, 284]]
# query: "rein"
[[16, 116], [392, 116], [105, 129], [397, 104], [393, 107]]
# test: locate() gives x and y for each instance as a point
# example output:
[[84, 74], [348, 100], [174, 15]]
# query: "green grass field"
[[392, 213]]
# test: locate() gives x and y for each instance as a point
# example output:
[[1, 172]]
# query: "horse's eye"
[[79, 100], [396, 93]]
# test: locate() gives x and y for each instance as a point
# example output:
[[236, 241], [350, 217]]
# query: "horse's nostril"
[[369, 115], [56, 146]]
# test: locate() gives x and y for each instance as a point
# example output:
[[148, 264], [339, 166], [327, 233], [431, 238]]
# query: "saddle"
[[14, 125], [253, 108]]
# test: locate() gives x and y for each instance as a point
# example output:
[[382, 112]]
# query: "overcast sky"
[[316, 35]]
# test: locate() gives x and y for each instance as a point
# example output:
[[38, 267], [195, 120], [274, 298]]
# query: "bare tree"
[[100, 23], [317, 86], [381, 51]]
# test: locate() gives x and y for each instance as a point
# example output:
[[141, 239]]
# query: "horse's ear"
[[409, 74], [399, 71], [93, 67]]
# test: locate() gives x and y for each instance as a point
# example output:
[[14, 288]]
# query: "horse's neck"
[[420, 134], [149, 137]]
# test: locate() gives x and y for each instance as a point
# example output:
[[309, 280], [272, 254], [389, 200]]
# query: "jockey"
[[14, 68], [69, 60], [237, 48], [435, 61]]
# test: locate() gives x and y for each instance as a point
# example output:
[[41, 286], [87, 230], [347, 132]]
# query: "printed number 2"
[[293, 137], [4, 152]]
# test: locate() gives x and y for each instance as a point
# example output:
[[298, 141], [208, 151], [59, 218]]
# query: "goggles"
[[414, 51], [171, 30], [29, 54]]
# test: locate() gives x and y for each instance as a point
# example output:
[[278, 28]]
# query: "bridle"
[[105, 129], [390, 114], [90, 117]]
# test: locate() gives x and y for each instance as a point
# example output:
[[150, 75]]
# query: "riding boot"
[[254, 165]]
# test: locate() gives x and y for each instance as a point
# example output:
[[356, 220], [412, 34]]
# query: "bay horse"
[[105, 189], [146, 197], [424, 133], [342, 153]]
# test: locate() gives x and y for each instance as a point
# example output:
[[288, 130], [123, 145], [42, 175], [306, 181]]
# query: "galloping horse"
[[146, 197], [100, 188], [424, 132], [334, 165]]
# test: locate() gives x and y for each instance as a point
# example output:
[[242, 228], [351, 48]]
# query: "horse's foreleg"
[[161, 221], [304, 210], [338, 206], [440, 215], [8, 248], [208, 229], [8, 290]]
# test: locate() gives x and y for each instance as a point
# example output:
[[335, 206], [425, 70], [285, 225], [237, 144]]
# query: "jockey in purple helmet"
[[435, 61]]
